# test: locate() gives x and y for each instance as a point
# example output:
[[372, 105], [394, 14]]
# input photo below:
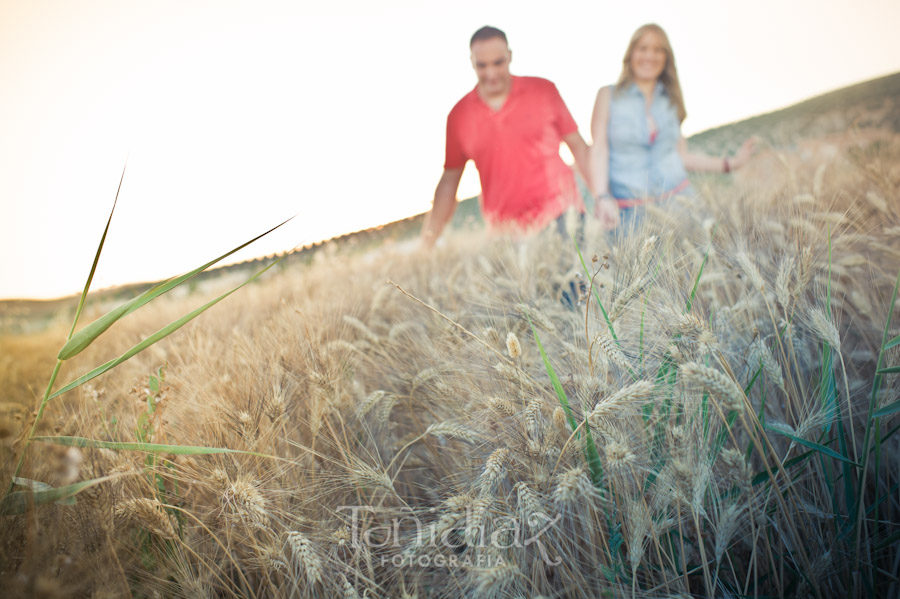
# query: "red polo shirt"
[[516, 150]]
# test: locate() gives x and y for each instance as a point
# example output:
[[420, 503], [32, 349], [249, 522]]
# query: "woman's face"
[[648, 60]]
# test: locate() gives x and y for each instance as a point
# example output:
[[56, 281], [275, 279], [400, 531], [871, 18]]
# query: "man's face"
[[490, 59]]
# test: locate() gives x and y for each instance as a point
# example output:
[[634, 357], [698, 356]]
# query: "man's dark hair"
[[486, 33]]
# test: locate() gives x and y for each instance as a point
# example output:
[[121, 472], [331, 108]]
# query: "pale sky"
[[233, 116]]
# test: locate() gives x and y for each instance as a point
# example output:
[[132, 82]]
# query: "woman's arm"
[[605, 207], [703, 163], [599, 158]]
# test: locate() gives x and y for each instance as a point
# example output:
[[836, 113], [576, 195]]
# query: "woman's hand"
[[607, 212], [744, 153]]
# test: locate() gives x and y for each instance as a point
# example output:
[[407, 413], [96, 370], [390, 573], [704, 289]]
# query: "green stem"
[[37, 419], [81, 303], [873, 398]]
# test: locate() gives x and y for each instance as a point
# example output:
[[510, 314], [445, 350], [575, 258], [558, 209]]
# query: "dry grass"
[[446, 423]]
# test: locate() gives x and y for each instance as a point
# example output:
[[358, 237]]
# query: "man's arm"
[[582, 153], [443, 206]]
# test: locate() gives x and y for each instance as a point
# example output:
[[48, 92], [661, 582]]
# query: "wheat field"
[[697, 422]]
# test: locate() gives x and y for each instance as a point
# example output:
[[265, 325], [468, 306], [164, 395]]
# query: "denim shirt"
[[638, 166]]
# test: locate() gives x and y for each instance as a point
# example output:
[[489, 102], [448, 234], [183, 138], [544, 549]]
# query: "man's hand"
[[607, 212], [442, 208], [427, 240]]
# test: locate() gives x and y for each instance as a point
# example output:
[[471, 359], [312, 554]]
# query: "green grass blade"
[[593, 458], [752, 382], [763, 476], [590, 448], [810, 444], [18, 502], [828, 391], [849, 491], [892, 343], [147, 447], [890, 370], [87, 284], [88, 334], [34, 485], [872, 422], [690, 301], [887, 410], [160, 334], [557, 386], [830, 482], [887, 436]]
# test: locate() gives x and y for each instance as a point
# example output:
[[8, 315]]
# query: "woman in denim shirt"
[[638, 154]]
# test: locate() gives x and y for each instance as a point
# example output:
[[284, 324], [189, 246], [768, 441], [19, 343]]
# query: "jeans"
[[631, 219]]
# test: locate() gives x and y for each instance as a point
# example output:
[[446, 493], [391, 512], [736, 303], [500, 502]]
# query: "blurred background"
[[233, 116]]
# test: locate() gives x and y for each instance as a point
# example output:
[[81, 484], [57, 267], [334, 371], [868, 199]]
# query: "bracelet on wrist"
[[726, 166], [603, 196]]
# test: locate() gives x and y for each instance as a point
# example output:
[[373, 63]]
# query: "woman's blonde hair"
[[669, 76]]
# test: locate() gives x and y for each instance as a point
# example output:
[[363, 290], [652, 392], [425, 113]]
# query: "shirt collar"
[[658, 90], [513, 91]]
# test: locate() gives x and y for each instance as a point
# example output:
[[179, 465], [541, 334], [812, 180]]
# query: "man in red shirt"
[[511, 127]]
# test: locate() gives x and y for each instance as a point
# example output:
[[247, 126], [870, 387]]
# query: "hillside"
[[873, 104]]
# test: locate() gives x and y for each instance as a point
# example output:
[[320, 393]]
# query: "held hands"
[[607, 211]]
